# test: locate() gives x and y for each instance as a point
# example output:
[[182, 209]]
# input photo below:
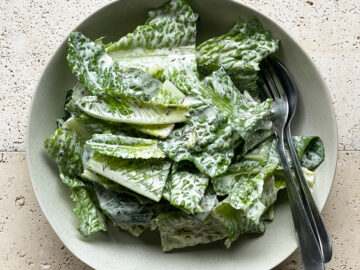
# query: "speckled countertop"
[[30, 30]]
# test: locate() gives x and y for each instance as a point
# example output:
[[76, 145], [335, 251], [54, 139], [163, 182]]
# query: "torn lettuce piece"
[[246, 116], [123, 209], [235, 222], [309, 149], [238, 172], [85, 126], [249, 118], [66, 148], [249, 198], [111, 185], [70, 109], [132, 111], [102, 75], [239, 52], [172, 25], [91, 219], [179, 230], [164, 46], [187, 188], [206, 140], [124, 146], [225, 120], [146, 177], [247, 191], [314, 153]]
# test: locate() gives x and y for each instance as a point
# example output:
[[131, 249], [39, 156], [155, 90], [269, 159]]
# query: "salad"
[[161, 134]]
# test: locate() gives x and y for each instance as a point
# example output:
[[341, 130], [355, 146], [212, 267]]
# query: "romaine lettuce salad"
[[161, 134]]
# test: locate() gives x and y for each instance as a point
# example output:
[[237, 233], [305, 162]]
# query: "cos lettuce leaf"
[[66, 148], [164, 46], [146, 177], [249, 198], [132, 111], [216, 128], [91, 219], [111, 185], [245, 115], [235, 222], [102, 75], [239, 52], [207, 141], [187, 188], [178, 230], [85, 126], [124, 146], [123, 209], [309, 149]]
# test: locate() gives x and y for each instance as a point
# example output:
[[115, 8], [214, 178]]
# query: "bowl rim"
[[236, 2]]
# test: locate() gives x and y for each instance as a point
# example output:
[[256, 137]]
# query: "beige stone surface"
[[30, 30]]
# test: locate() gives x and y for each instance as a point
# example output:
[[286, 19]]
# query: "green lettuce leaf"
[[91, 219], [123, 209], [178, 230], [225, 120], [66, 148], [224, 184], [309, 149], [146, 177], [89, 125], [102, 75], [164, 46], [239, 52], [207, 141], [132, 111], [247, 192], [124, 146], [235, 222], [111, 185], [85, 126], [249, 198], [187, 188]]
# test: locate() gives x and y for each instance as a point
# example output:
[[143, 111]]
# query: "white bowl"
[[119, 250]]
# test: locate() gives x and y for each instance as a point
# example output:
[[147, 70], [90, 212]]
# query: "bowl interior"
[[116, 249]]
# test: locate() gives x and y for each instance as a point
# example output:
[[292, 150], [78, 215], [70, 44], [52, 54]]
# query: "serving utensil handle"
[[309, 248], [315, 219]]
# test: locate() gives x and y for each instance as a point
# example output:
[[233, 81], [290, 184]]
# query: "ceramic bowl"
[[116, 249]]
